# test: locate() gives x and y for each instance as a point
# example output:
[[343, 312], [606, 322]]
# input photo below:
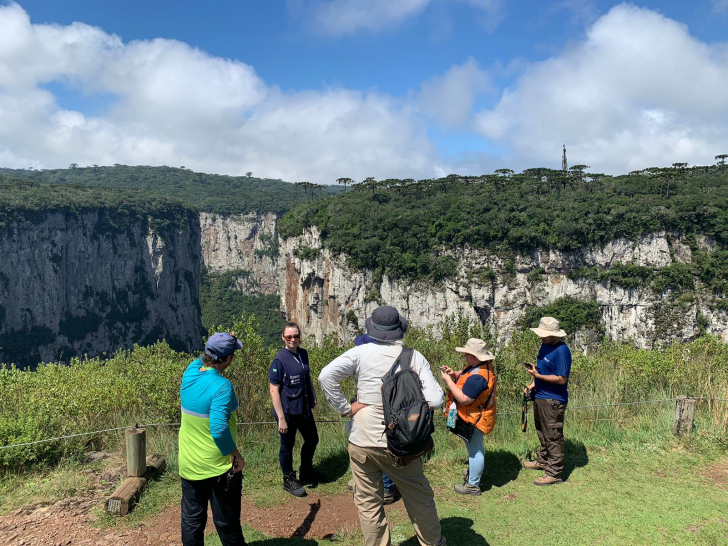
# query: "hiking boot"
[[533, 465], [391, 496], [466, 476], [350, 485], [467, 489], [293, 486], [547, 480]]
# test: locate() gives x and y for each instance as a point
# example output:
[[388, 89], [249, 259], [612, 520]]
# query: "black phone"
[[528, 366]]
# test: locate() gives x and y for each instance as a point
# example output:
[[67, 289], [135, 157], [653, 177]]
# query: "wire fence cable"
[[148, 425]]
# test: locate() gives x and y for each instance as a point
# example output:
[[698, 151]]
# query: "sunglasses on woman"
[[291, 338]]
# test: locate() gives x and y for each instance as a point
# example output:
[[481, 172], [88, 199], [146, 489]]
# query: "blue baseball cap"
[[221, 345]]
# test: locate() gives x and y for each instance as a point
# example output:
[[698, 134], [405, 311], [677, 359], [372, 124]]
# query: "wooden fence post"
[[136, 452], [684, 415]]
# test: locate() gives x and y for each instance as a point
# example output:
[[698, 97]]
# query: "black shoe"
[[390, 497], [293, 486]]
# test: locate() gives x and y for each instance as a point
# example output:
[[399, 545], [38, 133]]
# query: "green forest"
[[30, 200], [408, 228], [206, 192]]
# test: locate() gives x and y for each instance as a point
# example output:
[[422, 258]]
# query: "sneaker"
[[392, 496], [467, 489], [293, 486], [533, 465], [547, 480]]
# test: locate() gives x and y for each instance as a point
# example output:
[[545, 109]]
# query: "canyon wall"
[[326, 296], [82, 283]]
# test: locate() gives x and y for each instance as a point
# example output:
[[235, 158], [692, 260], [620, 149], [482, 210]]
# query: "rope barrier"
[[148, 425]]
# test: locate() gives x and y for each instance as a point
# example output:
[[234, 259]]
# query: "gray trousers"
[[548, 419]]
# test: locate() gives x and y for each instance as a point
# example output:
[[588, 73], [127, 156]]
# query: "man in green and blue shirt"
[[210, 464]]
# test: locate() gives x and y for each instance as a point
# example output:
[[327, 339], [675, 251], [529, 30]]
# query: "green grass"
[[628, 481]]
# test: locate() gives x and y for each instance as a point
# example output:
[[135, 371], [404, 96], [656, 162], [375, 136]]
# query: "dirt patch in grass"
[[718, 473], [69, 522]]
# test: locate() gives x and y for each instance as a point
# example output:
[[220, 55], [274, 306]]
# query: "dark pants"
[[225, 510], [548, 419], [306, 425]]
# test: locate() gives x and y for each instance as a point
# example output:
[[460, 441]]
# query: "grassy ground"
[[628, 481]]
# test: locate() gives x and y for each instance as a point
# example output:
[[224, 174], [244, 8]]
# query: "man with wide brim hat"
[[386, 324], [471, 408], [550, 389], [368, 363]]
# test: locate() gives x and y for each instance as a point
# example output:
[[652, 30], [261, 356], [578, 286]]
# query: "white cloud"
[[638, 92], [342, 17], [449, 98], [349, 16], [175, 105]]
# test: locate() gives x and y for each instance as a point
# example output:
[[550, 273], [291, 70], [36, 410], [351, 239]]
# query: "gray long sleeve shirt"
[[368, 363]]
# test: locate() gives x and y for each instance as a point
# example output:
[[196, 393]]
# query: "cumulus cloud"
[[169, 103], [449, 98], [639, 91]]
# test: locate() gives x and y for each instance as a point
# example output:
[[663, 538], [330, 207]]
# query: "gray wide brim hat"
[[386, 324]]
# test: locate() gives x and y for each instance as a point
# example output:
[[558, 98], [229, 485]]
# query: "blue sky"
[[319, 89]]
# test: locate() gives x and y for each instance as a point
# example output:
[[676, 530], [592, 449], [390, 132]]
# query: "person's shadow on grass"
[[575, 456], [283, 542], [501, 467], [457, 531], [331, 468]]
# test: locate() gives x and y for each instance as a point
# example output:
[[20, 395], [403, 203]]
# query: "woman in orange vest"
[[471, 408]]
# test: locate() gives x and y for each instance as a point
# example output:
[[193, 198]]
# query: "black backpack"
[[408, 418]]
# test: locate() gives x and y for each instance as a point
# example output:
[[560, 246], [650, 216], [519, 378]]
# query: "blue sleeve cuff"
[[225, 444]]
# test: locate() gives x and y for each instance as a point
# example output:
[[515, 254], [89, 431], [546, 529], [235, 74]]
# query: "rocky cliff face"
[[79, 284], [326, 296], [242, 242]]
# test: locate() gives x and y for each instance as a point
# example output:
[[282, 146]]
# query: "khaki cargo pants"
[[367, 465]]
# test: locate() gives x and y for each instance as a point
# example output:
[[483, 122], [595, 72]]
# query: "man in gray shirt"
[[368, 455]]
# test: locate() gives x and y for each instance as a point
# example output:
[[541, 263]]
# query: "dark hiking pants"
[[548, 419], [306, 425], [225, 510]]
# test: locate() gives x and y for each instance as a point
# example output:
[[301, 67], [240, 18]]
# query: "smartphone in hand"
[[528, 366]]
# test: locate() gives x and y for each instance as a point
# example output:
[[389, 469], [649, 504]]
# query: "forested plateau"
[[639, 257]]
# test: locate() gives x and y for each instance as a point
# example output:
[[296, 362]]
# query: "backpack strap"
[[403, 361]]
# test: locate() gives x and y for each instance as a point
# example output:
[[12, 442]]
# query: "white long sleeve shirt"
[[368, 363]]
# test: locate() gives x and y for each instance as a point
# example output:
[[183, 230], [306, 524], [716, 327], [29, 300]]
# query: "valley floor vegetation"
[[628, 479]]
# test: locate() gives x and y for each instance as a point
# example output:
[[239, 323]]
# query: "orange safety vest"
[[481, 412]]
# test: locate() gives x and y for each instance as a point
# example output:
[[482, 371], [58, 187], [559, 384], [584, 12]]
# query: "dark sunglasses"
[[290, 338]]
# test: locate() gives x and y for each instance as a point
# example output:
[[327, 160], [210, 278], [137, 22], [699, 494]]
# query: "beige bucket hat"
[[477, 348], [547, 327]]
